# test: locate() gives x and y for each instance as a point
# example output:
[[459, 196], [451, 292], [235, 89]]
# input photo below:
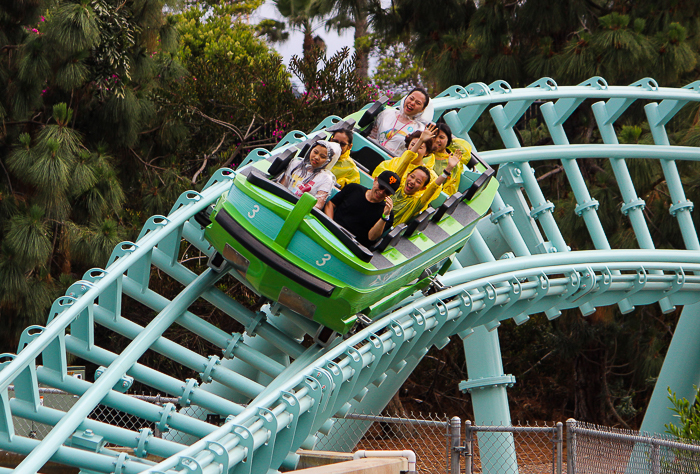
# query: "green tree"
[[79, 77], [688, 416], [464, 42], [239, 95], [353, 14], [301, 15]]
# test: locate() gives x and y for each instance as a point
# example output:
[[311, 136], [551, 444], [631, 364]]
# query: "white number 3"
[[255, 210], [324, 259]]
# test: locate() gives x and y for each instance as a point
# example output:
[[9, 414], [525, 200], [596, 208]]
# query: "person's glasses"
[[384, 189], [342, 144]]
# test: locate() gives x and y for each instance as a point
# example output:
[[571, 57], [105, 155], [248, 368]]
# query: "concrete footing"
[[327, 462]]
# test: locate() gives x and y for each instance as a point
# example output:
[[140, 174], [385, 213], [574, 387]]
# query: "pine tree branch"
[[608, 396], [233, 128], [23, 122], [151, 130], [536, 363], [148, 164], [556, 170], [9, 181], [206, 159]]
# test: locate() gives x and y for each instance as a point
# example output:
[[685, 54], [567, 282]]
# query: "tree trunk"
[[308, 45], [397, 430], [362, 45]]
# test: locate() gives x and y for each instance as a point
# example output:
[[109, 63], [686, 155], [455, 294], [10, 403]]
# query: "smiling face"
[[378, 192], [414, 103], [318, 156], [440, 142], [415, 182], [422, 150]]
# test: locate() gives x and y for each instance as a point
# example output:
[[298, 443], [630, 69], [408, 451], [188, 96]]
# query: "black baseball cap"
[[389, 180]]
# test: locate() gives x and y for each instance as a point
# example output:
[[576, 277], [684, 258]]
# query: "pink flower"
[[34, 30], [42, 18]]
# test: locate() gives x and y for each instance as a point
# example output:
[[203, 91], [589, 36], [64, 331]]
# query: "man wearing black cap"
[[366, 213]]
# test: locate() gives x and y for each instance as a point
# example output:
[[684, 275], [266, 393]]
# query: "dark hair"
[[416, 134], [424, 170], [347, 132], [422, 91], [443, 127]]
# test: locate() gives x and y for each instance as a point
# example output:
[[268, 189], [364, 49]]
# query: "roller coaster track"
[[276, 393]]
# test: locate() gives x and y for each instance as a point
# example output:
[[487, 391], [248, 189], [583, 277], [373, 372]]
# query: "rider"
[[312, 173], [418, 189], [392, 126], [345, 170], [443, 144], [366, 213]]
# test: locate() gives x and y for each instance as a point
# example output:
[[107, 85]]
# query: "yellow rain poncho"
[[407, 206], [451, 186], [345, 170], [395, 165]]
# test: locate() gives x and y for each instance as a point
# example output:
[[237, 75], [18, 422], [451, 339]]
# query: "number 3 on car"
[[255, 210], [324, 259]]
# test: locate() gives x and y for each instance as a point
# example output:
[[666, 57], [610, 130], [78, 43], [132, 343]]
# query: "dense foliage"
[[112, 108], [688, 413], [77, 81], [467, 41]]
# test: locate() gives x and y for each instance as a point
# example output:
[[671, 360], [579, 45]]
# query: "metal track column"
[[680, 371]]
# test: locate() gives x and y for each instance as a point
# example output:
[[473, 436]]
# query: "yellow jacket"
[[403, 166], [345, 170], [405, 206], [451, 186]]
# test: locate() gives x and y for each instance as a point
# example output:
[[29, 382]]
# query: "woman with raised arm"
[[443, 145]]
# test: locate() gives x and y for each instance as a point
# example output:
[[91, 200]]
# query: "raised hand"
[[388, 205], [430, 131], [454, 159]]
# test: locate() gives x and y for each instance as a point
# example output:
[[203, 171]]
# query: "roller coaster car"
[[290, 252]]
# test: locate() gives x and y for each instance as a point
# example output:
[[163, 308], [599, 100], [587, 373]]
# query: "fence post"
[[156, 432], [468, 447], [570, 446], [559, 441], [455, 443], [655, 457]]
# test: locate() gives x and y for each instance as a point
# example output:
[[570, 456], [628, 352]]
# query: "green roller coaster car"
[[290, 252], [286, 250]]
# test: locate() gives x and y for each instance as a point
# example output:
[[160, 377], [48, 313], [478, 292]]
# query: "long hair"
[[307, 172]]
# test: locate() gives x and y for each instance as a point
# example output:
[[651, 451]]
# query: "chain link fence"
[[444, 445], [427, 435], [601, 450], [59, 400], [512, 450]]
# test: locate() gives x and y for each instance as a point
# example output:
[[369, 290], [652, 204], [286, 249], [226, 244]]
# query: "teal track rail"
[[278, 395]]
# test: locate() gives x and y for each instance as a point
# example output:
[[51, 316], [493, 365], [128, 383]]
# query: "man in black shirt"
[[366, 213]]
